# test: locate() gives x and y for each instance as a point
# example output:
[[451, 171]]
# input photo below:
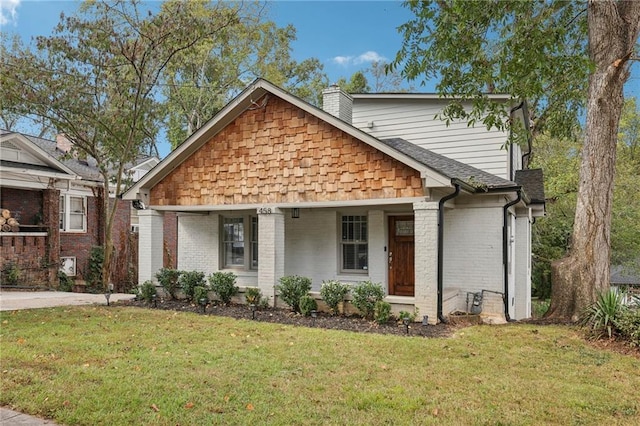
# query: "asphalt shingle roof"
[[446, 166], [532, 181]]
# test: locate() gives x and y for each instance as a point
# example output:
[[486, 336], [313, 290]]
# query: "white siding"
[[473, 254], [414, 121]]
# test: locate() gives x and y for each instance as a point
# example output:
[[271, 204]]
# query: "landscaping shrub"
[[65, 283], [168, 279], [404, 315], [333, 292], [628, 325], [147, 291], [223, 284], [382, 312], [308, 304], [253, 296], [365, 295], [292, 288], [11, 274], [601, 316], [189, 280], [200, 292]]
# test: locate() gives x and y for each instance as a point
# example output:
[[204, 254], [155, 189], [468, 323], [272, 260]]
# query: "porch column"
[[150, 244], [270, 251], [426, 259]]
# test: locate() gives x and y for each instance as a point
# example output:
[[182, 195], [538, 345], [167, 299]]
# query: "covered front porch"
[[391, 242]]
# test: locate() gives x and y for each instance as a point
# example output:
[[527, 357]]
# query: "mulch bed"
[[285, 316], [355, 323]]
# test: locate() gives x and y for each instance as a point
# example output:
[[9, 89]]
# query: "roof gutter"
[[505, 249], [443, 200]]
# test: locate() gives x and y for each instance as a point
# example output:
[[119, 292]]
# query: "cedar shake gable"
[[276, 152]]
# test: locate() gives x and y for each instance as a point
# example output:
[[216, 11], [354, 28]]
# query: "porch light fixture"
[[295, 213]]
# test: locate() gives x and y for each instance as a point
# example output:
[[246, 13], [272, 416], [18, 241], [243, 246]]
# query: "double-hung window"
[[354, 245], [240, 242], [73, 213]]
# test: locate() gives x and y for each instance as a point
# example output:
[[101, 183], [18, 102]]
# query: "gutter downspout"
[[505, 250], [441, 247]]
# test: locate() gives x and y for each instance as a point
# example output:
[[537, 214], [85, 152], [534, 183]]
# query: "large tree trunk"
[[584, 273]]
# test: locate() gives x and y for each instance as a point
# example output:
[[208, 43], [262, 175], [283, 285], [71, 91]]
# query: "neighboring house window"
[[240, 242], [354, 246], [73, 213]]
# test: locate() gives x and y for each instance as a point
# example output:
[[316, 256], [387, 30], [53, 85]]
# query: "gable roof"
[[60, 161], [429, 164]]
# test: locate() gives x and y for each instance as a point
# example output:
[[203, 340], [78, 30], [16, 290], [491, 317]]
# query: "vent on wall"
[[68, 266]]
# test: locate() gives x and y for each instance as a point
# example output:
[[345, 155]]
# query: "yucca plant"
[[602, 315]]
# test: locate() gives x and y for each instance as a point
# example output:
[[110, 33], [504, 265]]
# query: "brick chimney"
[[63, 144], [338, 103]]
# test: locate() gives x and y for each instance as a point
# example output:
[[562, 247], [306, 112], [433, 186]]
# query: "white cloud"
[[8, 11], [369, 56], [342, 60]]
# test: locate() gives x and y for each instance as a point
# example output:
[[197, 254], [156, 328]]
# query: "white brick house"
[[382, 191]]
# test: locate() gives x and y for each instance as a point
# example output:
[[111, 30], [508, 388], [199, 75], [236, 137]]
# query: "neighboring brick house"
[[55, 200], [372, 188]]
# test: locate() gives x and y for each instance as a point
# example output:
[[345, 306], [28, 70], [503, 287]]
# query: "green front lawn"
[[130, 366]]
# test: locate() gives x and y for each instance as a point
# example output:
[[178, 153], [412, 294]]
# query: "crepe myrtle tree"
[[569, 60]]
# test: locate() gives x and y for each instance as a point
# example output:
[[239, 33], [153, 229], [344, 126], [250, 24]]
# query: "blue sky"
[[344, 35]]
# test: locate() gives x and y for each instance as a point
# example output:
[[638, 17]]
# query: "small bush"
[[333, 292], [65, 283], [11, 274], [223, 284], [292, 288], [200, 292], [189, 280], [601, 316], [411, 316], [147, 291], [168, 279], [382, 312], [308, 304], [628, 325], [94, 277], [365, 295], [253, 296]]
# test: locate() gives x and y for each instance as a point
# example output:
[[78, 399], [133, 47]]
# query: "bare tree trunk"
[[584, 273]]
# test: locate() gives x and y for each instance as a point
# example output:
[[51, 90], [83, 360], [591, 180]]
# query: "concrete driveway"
[[16, 300]]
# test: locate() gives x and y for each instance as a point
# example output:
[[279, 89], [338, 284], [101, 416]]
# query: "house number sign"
[[404, 228], [265, 210]]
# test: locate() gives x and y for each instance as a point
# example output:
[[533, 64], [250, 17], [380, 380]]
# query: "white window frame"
[[362, 218], [249, 241], [66, 213]]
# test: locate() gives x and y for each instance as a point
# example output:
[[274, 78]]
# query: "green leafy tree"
[[207, 76], [562, 56], [357, 83], [560, 159], [96, 80]]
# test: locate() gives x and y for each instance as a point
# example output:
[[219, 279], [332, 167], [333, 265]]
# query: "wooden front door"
[[401, 256]]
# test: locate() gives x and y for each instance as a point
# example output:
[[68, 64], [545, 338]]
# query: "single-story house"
[[371, 187]]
